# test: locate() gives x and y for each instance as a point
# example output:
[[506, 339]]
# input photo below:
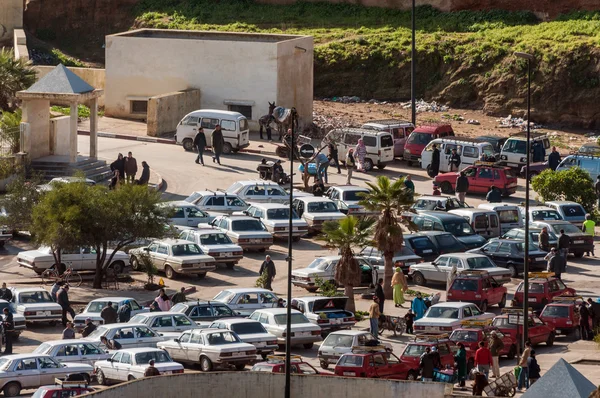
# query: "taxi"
[[62, 388], [372, 362], [276, 364], [563, 314], [510, 323], [477, 287], [414, 349], [543, 286], [481, 175]]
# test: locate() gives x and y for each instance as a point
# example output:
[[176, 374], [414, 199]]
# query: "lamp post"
[[413, 69], [529, 59]]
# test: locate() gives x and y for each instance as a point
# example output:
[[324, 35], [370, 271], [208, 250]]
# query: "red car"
[[511, 324], [63, 389], [543, 286], [477, 287], [372, 362], [414, 349], [276, 364], [563, 314], [420, 137], [481, 177]]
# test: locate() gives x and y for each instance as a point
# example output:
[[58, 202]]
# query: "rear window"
[[354, 195], [248, 328], [280, 319], [508, 216], [556, 311], [243, 124], [458, 228], [569, 228], [464, 335], [370, 140], [573, 211], [545, 215], [247, 225], [387, 141], [422, 244], [510, 173], [481, 222], [419, 138], [464, 285], [338, 340], [353, 361], [414, 350]]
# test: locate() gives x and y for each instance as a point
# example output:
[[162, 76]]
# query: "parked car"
[[570, 211], [509, 254], [534, 233], [324, 268], [329, 313], [415, 349], [346, 198], [251, 332], [94, 307], [341, 342], [35, 304], [496, 141], [481, 178], [509, 215], [316, 211], [79, 259], [470, 151], [445, 317], [165, 323], [247, 300], [174, 257], [259, 191], [372, 362], [205, 312], [470, 333], [589, 148], [403, 258], [478, 287], [187, 214], [543, 287], [276, 216], [514, 151], [276, 364], [24, 371], [484, 222], [211, 348], [431, 202], [399, 129], [563, 314], [379, 145], [274, 320], [215, 244], [74, 351], [510, 323], [130, 364], [456, 225], [247, 232], [579, 241], [420, 137], [430, 244], [129, 335], [217, 201], [62, 389], [18, 319], [591, 164], [541, 213]]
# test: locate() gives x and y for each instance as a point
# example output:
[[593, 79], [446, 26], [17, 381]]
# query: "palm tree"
[[15, 75], [344, 235], [389, 200]]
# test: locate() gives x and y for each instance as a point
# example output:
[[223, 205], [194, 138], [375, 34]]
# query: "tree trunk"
[[349, 292], [388, 273], [100, 257]]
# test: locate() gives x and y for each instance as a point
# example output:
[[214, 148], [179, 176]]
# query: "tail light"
[[243, 240], [29, 313], [569, 323], [268, 240], [419, 327], [446, 328], [225, 354], [178, 371], [238, 253], [284, 334], [351, 319], [316, 332], [272, 342], [449, 294], [322, 320], [279, 229], [478, 296]]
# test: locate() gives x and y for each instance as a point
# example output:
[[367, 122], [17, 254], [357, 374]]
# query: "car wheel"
[[412, 375], [130, 378], [502, 302], [227, 148], [368, 165], [188, 144], [578, 254], [484, 306], [419, 279], [100, 377], [308, 346], [324, 365], [205, 364], [512, 353], [381, 166], [169, 272], [135, 263], [446, 187], [202, 275], [118, 267], [230, 265], [513, 271], [550, 341], [240, 366], [12, 389]]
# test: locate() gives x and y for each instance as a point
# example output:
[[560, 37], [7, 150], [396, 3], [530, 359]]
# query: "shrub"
[[574, 184], [261, 282], [326, 288]]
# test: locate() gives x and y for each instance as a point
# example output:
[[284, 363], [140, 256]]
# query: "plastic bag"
[[518, 370]]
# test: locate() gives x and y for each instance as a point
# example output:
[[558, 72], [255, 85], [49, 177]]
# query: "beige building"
[[11, 18], [232, 71]]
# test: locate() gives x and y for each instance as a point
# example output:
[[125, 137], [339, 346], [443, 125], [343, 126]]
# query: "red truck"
[[372, 362], [414, 349], [563, 314], [543, 286]]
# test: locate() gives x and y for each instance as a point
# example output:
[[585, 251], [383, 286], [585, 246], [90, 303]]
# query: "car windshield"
[[247, 225], [573, 211], [158, 356], [95, 335], [464, 335], [179, 308], [558, 311], [338, 340], [248, 328], [224, 337], [188, 249], [414, 350], [98, 306], [419, 138], [508, 216], [322, 207], [281, 214], [4, 363], [41, 296], [215, 239], [281, 319], [545, 215], [225, 296], [464, 285], [514, 146], [458, 228], [533, 287], [442, 312], [42, 348], [318, 263], [568, 227], [480, 262], [351, 361], [354, 196]]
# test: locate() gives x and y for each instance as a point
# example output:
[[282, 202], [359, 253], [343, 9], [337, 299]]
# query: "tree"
[[22, 196], [15, 75], [573, 184], [344, 235], [389, 200]]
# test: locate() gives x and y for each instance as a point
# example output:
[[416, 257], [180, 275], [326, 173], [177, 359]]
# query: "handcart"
[[503, 386], [283, 150], [445, 376], [394, 323]]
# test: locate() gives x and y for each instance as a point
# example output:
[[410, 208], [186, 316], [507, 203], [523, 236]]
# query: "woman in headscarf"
[[399, 286], [163, 301], [461, 362], [359, 155], [418, 307]]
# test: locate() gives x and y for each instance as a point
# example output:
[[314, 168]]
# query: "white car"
[[445, 317], [324, 268], [26, 371], [80, 259], [129, 335], [341, 342], [251, 332], [94, 307], [166, 323], [35, 304], [247, 300], [248, 232], [175, 256], [274, 320], [346, 197], [259, 191], [74, 350], [18, 319], [329, 313], [216, 244], [210, 348], [187, 214], [130, 364], [218, 201], [316, 210], [276, 216]]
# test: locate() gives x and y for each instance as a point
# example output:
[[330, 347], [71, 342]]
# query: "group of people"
[[124, 170], [217, 143]]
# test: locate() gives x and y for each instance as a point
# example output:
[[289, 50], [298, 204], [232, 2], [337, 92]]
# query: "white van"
[[484, 222], [514, 149], [469, 149], [236, 132], [509, 215], [399, 129], [380, 145]]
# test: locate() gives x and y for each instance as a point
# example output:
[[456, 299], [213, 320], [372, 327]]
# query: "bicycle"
[[70, 277]]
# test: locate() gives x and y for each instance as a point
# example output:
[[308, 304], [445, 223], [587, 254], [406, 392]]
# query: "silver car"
[[274, 320], [247, 232], [217, 201], [74, 350], [247, 300], [187, 214], [165, 323]]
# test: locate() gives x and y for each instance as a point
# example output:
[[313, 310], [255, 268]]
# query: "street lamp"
[[530, 58], [413, 70]]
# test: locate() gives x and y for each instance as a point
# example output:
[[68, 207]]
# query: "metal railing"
[[9, 141]]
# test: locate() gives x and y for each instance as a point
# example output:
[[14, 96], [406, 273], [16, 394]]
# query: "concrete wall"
[[20, 44], [11, 17], [165, 111], [36, 113], [268, 385], [95, 77], [59, 135]]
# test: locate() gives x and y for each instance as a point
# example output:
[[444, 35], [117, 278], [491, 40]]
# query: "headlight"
[[523, 160], [503, 157]]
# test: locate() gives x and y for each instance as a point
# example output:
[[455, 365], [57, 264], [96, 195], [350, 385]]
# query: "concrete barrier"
[[270, 385], [165, 111]]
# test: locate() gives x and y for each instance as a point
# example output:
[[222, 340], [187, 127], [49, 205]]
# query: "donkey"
[[266, 120], [281, 116]]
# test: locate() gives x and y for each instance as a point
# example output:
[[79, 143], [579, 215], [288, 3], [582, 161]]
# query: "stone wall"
[[60, 132], [95, 77], [166, 111], [11, 17], [37, 137]]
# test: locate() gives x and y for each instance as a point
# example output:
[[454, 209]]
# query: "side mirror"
[[81, 310], [434, 263], [109, 359], [176, 340], [146, 249], [238, 313], [106, 351]]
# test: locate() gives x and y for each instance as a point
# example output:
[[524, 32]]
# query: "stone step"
[[93, 169]]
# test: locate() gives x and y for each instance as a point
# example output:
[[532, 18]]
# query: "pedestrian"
[[109, 314], [480, 383], [5, 293], [483, 359], [179, 297], [8, 325], [496, 346], [592, 313], [454, 161], [461, 363], [374, 314], [131, 168], [524, 374], [554, 159], [145, 177], [322, 165], [494, 195], [119, 165], [280, 303], [111, 344], [124, 312], [163, 300], [200, 144], [426, 365], [597, 189], [434, 169], [589, 228], [436, 190], [349, 165], [62, 299], [318, 189], [89, 328], [333, 156], [584, 322], [410, 320], [538, 152], [564, 242], [69, 332], [418, 307], [268, 267], [556, 263], [217, 143], [380, 294], [462, 186], [409, 186], [114, 180], [399, 286], [151, 369], [544, 240], [360, 152], [269, 132], [534, 368], [437, 359]]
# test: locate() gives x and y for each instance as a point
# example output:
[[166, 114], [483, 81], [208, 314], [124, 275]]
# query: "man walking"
[[454, 161], [131, 168], [5, 293], [109, 314], [564, 241], [434, 170], [62, 299], [462, 186], [124, 313], [268, 267], [524, 375], [496, 345], [589, 228], [380, 294], [145, 177], [483, 359], [200, 144], [9, 327], [556, 263], [426, 365], [409, 185], [554, 159], [544, 240], [584, 322], [179, 297], [217, 143], [374, 314]]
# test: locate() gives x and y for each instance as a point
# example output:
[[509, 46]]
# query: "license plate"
[[237, 354], [255, 240], [226, 254], [260, 344], [532, 300], [168, 372], [336, 321], [295, 228], [349, 373], [43, 313], [558, 331], [577, 242], [539, 259], [428, 251], [303, 334]]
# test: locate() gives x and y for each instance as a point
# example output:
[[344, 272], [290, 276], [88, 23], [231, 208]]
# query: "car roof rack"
[[514, 310], [479, 323], [74, 383], [489, 164], [362, 349], [584, 155], [431, 337], [281, 358], [473, 272], [566, 299], [524, 134], [541, 275]]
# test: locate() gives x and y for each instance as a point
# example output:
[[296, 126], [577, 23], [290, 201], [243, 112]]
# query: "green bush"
[[573, 184], [326, 288], [261, 281], [83, 112]]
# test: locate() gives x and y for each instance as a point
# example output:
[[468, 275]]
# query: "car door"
[[162, 323], [194, 216], [494, 290], [194, 346], [160, 256], [267, 300], [145, 337], [246, 303], [72, 258], [110, 370], [68, 353], [181, 323], [433, 272], [125, 337], [26, 370], [123, 367], [276, 194], [233, 203], [382, 368], [215, 203], [490, 250], [88, 258], [49, 370], [178, 216], [257, 193], [178, 350], [90, 353]]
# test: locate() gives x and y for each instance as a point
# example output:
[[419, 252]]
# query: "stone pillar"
[[94, 128], [73, 135]]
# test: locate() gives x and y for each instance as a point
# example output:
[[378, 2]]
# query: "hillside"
[[464, 58]]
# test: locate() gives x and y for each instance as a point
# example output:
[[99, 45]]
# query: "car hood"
[[308, 272]]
